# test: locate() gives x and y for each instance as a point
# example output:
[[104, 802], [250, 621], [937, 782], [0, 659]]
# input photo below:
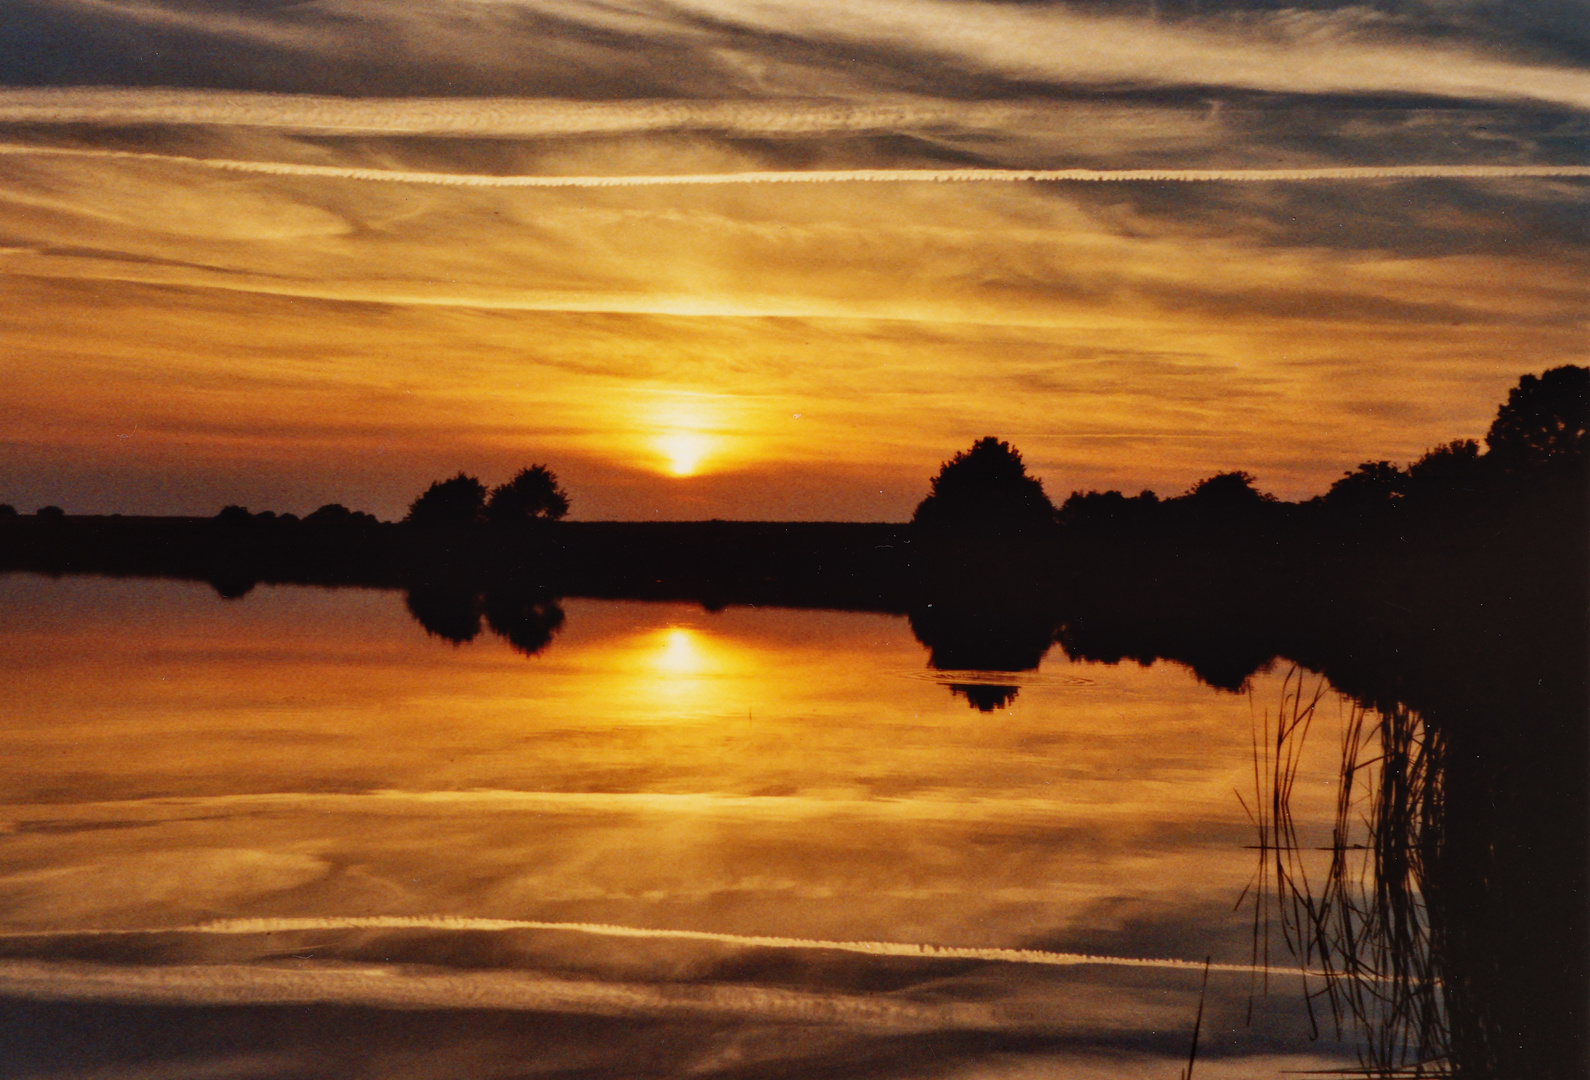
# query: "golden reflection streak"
[[678, 672]]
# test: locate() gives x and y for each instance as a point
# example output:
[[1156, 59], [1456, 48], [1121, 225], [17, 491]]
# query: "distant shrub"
[[458, 501], [7, 510], [51, 512], [1227, 491], [1106, 510], [1372, 484], [335, 515], [532, 495]]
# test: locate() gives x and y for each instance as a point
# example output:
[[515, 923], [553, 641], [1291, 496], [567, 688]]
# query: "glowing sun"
[[683, 452]]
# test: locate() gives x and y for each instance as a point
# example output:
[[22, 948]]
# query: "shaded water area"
[[348, 832]]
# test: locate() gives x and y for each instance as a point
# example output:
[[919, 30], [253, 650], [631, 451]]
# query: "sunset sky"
[[286, 253]]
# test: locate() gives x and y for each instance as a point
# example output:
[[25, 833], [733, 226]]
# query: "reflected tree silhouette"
[[971, 635], [985, 697], [450, 613], [526, 619]]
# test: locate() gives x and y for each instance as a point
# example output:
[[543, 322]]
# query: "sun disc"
[[684, 452]]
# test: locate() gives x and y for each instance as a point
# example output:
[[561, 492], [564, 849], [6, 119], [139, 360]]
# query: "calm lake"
[[294, 835]]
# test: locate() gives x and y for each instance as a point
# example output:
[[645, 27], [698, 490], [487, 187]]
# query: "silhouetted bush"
[[532, 495], [7, 510], [1373, 485], [1226, 493], [986, 489], [1453, 467], [335, 515], [233, 514], [1107, 511], [51, 512], [459, 501]]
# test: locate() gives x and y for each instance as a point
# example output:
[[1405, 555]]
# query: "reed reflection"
[[1359, 913], [1442, 918]]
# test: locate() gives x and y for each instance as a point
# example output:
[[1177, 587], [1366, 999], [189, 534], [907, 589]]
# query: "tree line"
[[1536, 445]]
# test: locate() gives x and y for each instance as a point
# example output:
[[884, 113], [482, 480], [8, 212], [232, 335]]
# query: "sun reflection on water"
[[679, 654]]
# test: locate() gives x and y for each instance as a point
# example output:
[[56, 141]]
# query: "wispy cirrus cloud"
[[701, 47], [568, 201], [1054, 44]]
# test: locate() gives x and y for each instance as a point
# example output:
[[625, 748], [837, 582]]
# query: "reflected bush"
[[527, 620], [452, 614]]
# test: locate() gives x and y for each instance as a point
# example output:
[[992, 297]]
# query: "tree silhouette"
[[986, 487], [1450, 465], [1225, 492], [337, 516], [1542, 424], [532, 495], [1373, 483], [459, 501], [1447, 477]]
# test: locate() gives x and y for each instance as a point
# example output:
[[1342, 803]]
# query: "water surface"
[[295, 834]]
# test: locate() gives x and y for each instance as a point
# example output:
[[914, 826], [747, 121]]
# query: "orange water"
[[313, 756]]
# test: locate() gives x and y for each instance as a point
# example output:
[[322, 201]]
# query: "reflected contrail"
[[828, 176], [869, 948], [384, 986]]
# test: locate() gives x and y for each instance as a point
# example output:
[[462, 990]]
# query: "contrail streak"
[[868, 948], [830, 176], [491, 117]]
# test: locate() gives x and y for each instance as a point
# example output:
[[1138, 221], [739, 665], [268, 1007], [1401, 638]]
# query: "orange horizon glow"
[[177, 339]]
